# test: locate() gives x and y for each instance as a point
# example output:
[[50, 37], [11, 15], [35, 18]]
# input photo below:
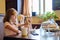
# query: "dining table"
[[39, 34]]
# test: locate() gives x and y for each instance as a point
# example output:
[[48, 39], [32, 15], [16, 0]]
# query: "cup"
[[24, 32]]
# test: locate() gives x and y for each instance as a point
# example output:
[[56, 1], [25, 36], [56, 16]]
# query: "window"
[[48, 5], [34, 6], [40, 6]]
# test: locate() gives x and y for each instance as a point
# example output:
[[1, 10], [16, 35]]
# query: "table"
[[48, 35], [30, 37], [41, 36]]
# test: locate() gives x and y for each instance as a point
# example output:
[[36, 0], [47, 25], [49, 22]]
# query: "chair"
[[1, 28]]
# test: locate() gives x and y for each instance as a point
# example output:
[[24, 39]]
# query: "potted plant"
[[48, 15], [49, 21]]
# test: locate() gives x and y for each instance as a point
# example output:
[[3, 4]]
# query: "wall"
[[2, 6], [36, 20], [2, 10], [58, 13]]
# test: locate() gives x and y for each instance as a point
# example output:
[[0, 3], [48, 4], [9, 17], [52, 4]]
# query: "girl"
[[10, 25]]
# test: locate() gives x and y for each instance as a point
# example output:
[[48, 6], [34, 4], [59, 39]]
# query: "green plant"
[[48, 15]]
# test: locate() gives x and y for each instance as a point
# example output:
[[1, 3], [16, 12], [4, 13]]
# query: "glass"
[[25, 32], [26, 28], [33, 32]]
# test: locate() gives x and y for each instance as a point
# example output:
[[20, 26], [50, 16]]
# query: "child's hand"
[[19, 32], [26, 23]]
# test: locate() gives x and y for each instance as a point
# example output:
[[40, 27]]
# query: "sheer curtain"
[[48, 5], [40, 6]]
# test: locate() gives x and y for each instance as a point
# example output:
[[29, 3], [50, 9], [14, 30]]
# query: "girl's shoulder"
[[6, 23]]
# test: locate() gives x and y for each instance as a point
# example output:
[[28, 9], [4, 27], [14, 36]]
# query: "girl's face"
[[13, 17]]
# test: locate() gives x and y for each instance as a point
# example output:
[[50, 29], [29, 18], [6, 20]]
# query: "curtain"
[[26, 8]]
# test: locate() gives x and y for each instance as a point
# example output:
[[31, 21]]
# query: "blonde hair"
[[8, 14]]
